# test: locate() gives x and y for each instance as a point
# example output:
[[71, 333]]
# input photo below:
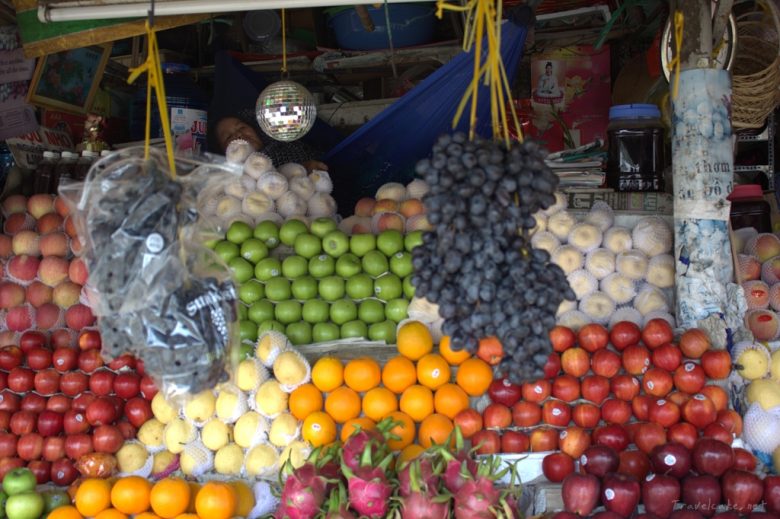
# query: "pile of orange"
[[415, 387], [169, 498]]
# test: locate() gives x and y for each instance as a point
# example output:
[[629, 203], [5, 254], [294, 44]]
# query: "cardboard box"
[[652, 203]]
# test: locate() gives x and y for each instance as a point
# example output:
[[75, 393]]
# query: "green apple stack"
[[329, 286]]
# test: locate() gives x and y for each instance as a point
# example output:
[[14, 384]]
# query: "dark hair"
[[246, 115], [549, 64]]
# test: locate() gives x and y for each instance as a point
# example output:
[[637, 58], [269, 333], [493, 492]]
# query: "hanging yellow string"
[[676, 63], [154, 81], [284, 44], [483, 24]]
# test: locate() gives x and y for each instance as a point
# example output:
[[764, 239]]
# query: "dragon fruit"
[[428, 477], [457, 472], [418, 505], [421, 501], [337, 505], [303, 494], [477, 499], [357, 444], [368, 484]]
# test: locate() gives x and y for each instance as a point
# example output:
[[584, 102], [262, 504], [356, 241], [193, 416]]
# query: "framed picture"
[[68, 80]]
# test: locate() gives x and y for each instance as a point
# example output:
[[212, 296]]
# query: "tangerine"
[[474, 376], [93, 496], [187, 516], [379, 402], [245, 498], [362, 374], [216, 501], [65, 512], [435, 429], [327, 374], [433, 371], [449, 400], [146, 515], [490, 350], [354, 424], [305, 400], [455, 358], [404, 430], [398, 374], [130, 495], [111, 513], [194, 489], [414, 340], [409, 453], [319, 429], [342, 404], [170, 497], [417, 402]]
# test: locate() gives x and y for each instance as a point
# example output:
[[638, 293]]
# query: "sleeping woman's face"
[[232, 128]]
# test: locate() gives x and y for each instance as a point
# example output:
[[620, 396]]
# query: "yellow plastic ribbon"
[[676, 63], [155, 81]]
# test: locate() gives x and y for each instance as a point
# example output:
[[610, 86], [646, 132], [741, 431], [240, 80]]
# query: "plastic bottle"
[[749, 209], [44, 172], [64, 170], [84, 163], [635, 161]]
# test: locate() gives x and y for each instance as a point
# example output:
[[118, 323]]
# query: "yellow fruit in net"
[[231, 403], [297, 453], [196, 459], [178, 433], [201, 407], [270, 400], [262, 461], [131, 456], [284, 429], [151, 433], [162, 460], [162, 410], [229, 459], [215, 434], [250, 429], [291, 369], [269, 345], [250, 374]]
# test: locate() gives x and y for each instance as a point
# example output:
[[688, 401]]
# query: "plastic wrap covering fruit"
[[158, 292]]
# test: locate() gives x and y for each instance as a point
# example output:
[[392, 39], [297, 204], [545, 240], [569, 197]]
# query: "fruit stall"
[[544, 313]]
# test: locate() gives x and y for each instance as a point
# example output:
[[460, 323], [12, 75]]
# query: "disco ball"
[[285, 111]]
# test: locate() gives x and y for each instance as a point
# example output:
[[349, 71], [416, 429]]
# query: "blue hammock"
[[386, 148]]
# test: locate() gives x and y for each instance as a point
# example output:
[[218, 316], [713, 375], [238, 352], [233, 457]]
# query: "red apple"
[[613, 436], [648, 436], [744, 460], [76, 445], [63, 338], [23, 422], [9, 401], [557, 466], [543, 439], [107, 438], [566, 388], [8, 444], [634, 463], [585, 415], [716, 364], [592, 337], [605, 363], [50, 423], [625, 387], [79, 316], [667, 356], [575, 362], [102, 411], [75, 422], [81, 402], [657, 382], [665, 413], [595, 388], [553, 365], [31, 340], [58, 403], [636, 359], [701, 493], [772, 494], [562, 338], [47, 382], [501, 391], [524, 414], [731, 420], [73, 383], [580, 493], [620, 494], [684, 434], [573, 441], [742, 490], [123, 361], [689, 378], [616, 411], [656, 333], [5, 421], [699, 411], [38, 358], [599, 460], [717, 395], [718, 432], [10, 357], [487, 442], [41, 469], [30, 446], [556, 413], [536, 391], [101, 382], [149, 389], [659, 494], [129, 431], [8, 464], [671, 458], [53, 448], [694, 343], [32, 402], [624, 334], [513, 442], [21, 380], [640, 407], [65, 359], [89, 340], [63, 472], [90, 360], [495, 416], [712, 457], [678, 397]]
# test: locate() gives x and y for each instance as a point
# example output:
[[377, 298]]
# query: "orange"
[[449, 400], [319, 429], [93, 496], [352, 425], [194, 489], [398, 374], [146, 515], [362, 374], [130, 495], [435, 429], [342, 404], [379, 402], [216, 501], [490, 350], [65, 512], [327, 374], [111, 513], [433, 371], [305, 400], [417, 402], [455, 358], [474, 376], [187, 516], [409, 453], [414, 340], [245, 498], [404, 430], [170, 497]]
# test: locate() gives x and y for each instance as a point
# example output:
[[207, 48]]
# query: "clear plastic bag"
[[157, 290]]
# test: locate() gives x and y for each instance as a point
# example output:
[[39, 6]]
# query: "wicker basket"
[[756, 74]]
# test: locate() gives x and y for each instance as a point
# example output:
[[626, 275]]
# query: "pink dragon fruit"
[[369, 492], [337, 505], [303, 494], [357, 444], [422, 500], [477, 499], [428, 478], [457, 472]]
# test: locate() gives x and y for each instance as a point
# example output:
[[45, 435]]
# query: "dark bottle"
[[749, 209], [635, 161], [83, 164], [64, 170], [45, 171]]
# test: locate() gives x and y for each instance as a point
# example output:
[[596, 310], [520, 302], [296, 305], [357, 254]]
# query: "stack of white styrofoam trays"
[[617, 273]]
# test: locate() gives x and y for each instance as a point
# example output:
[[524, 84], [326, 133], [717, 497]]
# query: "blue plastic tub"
[[411, 24]]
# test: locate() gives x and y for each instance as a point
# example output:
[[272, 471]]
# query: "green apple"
[[360, 286], [384, 331], [371, 311], [260, 311], [321, 266], [397, 309], [294, 267], [52, 499], [387, 287], [211, 244], [253, 250], [412, 240], [246, 350], [336, 243], [354, 329], [316, 311], [243, 310], [331, 288], [342, 311], [390, 242], [290, 230], [268, 268], [247, 331], [227, 250], [307, 245], [278, 289], [287, 312], [27, 505], [348, 265], [304, 288], [375, 263], [268, 232], [299, 333], [323, 332], [251, 291], [401, 264], [270, 326], [408, 288], [242, 269], [18, 480], [239, 232], [322, 226], [361, 244]]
